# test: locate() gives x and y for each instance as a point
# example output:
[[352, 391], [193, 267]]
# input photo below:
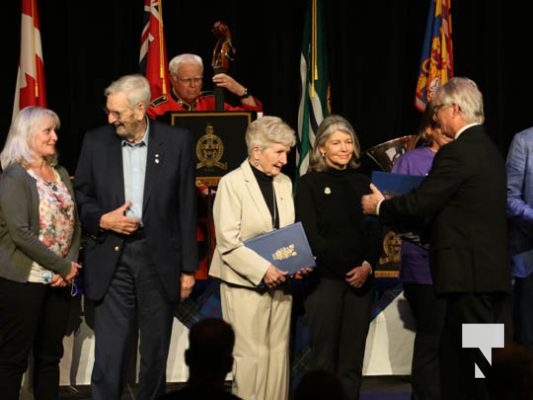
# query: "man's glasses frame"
[[187, 81]]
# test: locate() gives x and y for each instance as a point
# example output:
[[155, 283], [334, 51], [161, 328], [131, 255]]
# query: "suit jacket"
[[169, 204], [520, 202], [465, 193], [240, 213], [19, 227]]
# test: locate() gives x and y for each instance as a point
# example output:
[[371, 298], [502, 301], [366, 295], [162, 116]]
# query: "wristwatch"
[[245, 94]]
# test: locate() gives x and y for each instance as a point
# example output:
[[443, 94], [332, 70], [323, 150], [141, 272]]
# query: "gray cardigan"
[[19, 227]]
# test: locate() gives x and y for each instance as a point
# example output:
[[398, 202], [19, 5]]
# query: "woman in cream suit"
[[253, 199]]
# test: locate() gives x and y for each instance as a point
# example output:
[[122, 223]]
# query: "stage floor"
[[374, 388]]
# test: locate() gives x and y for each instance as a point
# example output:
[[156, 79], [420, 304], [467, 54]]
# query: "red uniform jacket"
[[204, 102]]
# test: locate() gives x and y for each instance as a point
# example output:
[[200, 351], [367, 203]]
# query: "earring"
[[256, 163], [323, 155]]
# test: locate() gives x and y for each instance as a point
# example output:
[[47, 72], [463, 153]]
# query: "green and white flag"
[[314, 85]]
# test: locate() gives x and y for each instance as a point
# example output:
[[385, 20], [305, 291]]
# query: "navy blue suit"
[[136, 279]]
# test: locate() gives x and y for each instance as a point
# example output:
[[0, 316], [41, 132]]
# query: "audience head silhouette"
[[318, 385], [209, 356]]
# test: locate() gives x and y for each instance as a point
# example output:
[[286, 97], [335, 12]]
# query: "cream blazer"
[[240, 213]]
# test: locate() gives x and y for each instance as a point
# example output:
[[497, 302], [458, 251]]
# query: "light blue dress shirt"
[[134, 167]]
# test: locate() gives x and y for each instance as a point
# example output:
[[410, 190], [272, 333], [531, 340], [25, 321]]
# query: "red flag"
[[153, 56], [30, 89], [436, 64]]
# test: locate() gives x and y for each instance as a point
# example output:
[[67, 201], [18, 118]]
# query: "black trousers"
[[338, 318], [458, 380], [523, 316], [428, 311], [33, 319], [135, 298]]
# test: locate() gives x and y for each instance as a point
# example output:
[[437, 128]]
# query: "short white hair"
[[175, 63]]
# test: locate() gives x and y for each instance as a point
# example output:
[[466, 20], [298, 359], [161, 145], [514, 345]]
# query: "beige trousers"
[[262, 327]]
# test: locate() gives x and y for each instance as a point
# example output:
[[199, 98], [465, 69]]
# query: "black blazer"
[[465, 193], [169, 205]]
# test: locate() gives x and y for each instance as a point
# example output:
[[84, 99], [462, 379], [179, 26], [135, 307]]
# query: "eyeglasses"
[[116, 114], [188, 81]]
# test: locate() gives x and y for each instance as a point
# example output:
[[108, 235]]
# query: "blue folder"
[[392, 184], [287, 248]]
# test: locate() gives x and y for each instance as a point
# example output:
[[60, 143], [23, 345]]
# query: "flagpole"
[[34, 46], [314, 68], [162, 65]]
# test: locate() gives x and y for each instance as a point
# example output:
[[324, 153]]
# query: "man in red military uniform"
[[186, 76], [186, 73]]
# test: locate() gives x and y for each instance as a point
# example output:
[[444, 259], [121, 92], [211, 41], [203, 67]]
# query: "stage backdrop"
[[374, 48]]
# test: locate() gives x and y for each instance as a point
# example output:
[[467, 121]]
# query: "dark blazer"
[[465, 193], [169, 205]]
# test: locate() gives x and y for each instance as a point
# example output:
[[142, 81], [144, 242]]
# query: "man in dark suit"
[[135, 190], [465, 196]]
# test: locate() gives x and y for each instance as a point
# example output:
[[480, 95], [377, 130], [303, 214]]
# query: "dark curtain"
[[374, 50]]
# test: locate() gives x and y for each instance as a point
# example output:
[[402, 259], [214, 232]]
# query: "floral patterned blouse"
[[56, 220]]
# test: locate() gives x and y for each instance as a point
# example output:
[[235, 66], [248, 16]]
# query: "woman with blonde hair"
[[347, 246], [39, 244]]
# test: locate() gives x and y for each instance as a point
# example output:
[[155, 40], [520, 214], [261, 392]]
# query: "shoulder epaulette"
[[159, 100]]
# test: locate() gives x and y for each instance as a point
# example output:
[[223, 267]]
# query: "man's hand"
[[369, 202], [186, 284], [117, 221], [227, 82]]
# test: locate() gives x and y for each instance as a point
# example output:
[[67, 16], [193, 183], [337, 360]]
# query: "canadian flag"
[[153, 54], [30, 89]]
